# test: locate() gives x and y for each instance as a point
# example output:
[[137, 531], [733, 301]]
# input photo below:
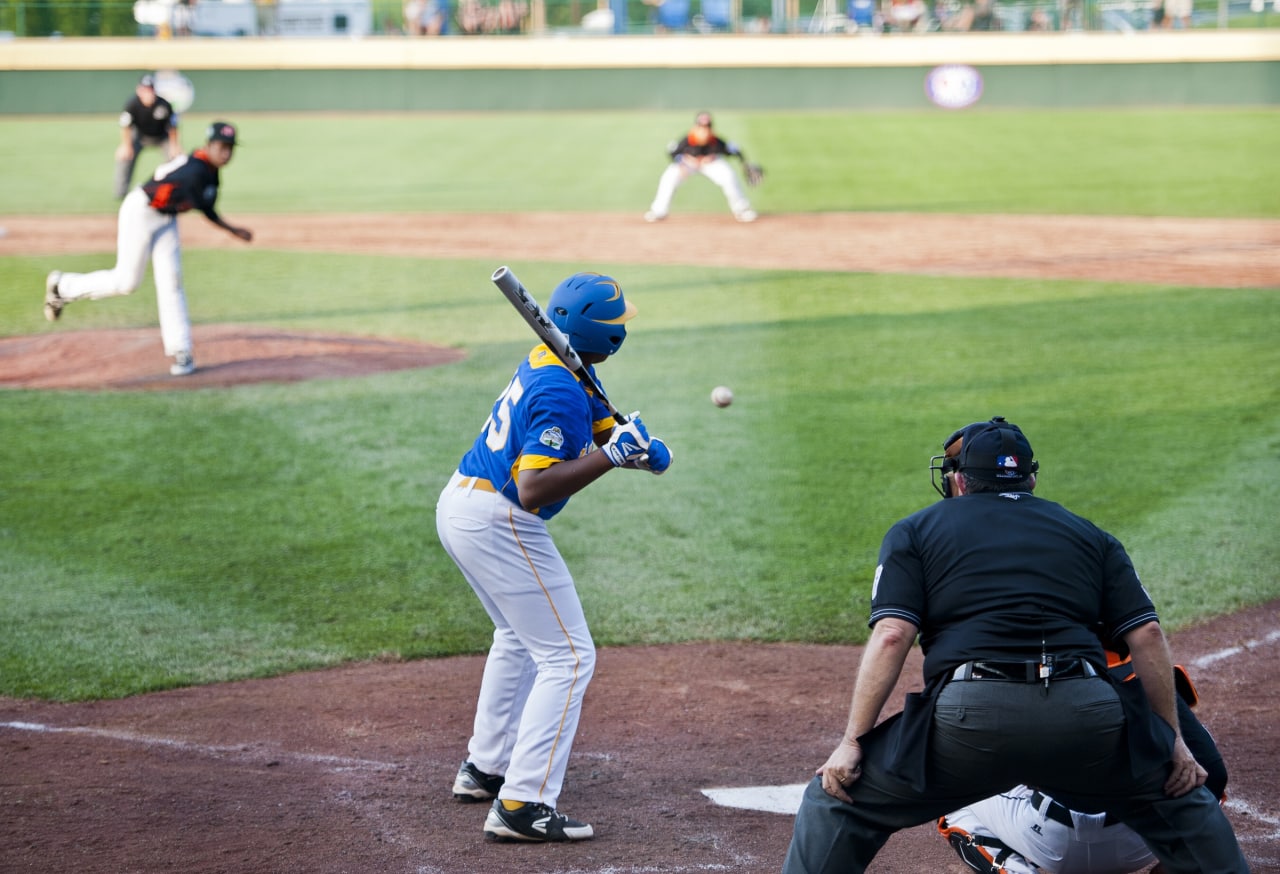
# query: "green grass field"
[[152, 540]]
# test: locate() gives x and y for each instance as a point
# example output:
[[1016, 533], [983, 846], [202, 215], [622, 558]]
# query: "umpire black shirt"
[[151, 121], [990, 576]]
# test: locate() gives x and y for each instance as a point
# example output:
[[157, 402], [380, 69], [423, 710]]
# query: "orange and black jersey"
[[698, 145], [185, 183]]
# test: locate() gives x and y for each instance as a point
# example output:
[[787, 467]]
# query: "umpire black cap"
[[995, 451]]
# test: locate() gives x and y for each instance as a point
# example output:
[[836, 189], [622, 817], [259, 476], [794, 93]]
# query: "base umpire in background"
[[147, 120], [1006, 591]]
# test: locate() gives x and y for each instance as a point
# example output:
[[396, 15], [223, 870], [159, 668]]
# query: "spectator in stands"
[[984, 16], [1177, 11], [1039, 20], [426, 17], [505, 16], [670, 15], [1071, 17], [907, 15], [413, 17]]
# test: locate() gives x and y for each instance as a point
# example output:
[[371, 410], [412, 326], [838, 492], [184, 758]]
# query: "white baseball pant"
[[718, 170], [542, 656], [142, 231], [1088, 847]]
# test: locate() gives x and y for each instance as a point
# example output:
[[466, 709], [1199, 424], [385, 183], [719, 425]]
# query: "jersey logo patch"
[[552, 437]]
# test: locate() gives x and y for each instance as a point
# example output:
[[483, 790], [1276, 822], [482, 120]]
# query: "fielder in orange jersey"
[[700, 151]]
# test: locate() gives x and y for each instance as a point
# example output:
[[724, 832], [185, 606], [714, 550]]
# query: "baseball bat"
[[548, 332]]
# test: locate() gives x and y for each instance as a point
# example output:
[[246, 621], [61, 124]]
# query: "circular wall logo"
[[953, 86]]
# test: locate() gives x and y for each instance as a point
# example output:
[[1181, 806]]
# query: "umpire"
[[147, 120], [1005, 591]]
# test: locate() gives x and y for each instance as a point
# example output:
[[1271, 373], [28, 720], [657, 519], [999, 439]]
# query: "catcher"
[[701, 151], [1024, 831]]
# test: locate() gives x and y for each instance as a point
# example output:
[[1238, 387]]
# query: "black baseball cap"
[[147, 81], [222, 132], [995, 451]]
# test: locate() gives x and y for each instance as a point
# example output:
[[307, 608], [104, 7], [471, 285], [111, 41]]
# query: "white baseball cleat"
[[183, 364], [652, 216], [746, 216], [53, 302]]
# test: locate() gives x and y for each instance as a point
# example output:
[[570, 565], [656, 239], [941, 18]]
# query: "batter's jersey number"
[[499, 429]]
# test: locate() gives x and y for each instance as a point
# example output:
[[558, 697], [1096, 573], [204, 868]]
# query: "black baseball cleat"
[[472, 784], [53, 302], [532, 822]]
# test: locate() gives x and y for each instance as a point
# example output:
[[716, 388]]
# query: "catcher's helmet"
[[590, 309]]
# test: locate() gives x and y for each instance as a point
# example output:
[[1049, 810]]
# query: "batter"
[[537, 448], [148, 225]]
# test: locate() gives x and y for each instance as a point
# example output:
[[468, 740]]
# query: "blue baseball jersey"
[[544, 416]]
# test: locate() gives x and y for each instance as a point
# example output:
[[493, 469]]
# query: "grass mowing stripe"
[[1177, 161], [274, 527]]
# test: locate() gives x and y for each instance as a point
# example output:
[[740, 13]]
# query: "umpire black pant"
[[988, 736]]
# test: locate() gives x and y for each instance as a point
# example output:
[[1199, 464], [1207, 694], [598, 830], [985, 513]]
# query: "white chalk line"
[[241, 751], [1205, 660]]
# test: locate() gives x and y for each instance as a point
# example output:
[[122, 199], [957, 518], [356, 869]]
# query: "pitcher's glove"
[[754, 173]]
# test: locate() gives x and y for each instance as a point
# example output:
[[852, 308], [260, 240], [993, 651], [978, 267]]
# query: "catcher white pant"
[[141, 232], [717, 169], [1047, 845], [542, 656]]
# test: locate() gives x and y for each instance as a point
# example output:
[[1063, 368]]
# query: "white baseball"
[[722, 396]]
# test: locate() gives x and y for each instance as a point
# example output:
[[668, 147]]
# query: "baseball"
[[721, 396]]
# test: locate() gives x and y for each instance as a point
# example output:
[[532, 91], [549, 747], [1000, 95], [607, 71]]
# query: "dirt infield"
[[348, 770]]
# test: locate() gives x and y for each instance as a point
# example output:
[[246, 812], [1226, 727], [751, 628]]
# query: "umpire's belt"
[[1059, 813], [478, 483], [1023, 672]]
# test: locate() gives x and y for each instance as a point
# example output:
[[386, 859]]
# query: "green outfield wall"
[[585, 73]]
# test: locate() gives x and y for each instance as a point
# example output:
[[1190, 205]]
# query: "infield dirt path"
[[1221, 253], [348, 770]]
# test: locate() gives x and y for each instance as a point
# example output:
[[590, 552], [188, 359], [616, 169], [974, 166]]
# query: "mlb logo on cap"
[[222, 132]]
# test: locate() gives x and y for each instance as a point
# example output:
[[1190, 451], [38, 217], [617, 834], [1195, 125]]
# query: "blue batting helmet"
[[590, 309]]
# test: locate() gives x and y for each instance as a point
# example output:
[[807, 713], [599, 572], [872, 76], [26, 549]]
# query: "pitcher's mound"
[[226, 355]]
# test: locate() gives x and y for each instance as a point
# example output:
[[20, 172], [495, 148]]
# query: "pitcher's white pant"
[[1089, 847], [542, 656], [142, 231], [718, 170]]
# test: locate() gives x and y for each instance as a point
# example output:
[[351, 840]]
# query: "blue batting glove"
[[627, 442], [657, 459]]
